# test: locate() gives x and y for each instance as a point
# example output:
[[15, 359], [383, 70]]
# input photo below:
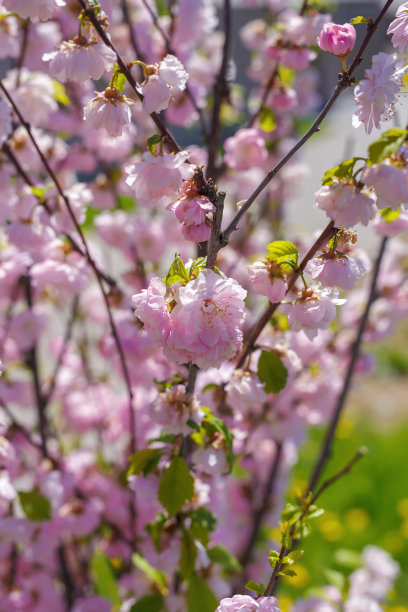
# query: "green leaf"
[[212, 424], [202, 523], [197, 265], [148, 603], [188, 554], [314, 512], [118, 79], [288, 572], [177, 272], [272, 372], [294, 556], [60, 94], [389, 215], [152, 143], [103, 577], [176, 486], [287, 540], [219, 554], [257, 587], [387, 145], [144, 460], [342, 171], [200, 597], [267, 119], [291, 512], [337, 579], [39, 192], [347, 558], [157, 577], [360, 19], [283, 252], [35, 506], [125, 202], [162, 8]]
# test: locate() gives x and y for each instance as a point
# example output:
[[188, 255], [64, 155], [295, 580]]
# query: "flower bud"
[[337, 39]]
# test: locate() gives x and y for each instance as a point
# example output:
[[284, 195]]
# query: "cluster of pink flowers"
[[192, 211]]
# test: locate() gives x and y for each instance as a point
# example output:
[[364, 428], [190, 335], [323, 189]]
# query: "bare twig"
[[221, 90], [268, 86], [354, 354], [23, 49]]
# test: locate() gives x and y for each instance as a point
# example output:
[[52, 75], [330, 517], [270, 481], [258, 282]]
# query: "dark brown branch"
[[23, 50], [344, 81], [132, 37], [221, 91], [354, 354], [268, 86]]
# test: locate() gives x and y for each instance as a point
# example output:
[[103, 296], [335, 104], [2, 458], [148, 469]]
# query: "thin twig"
[[221, 90], [310, 501], [23, 50], [268, 86], [354, 354], [344, 81], [132, 37]]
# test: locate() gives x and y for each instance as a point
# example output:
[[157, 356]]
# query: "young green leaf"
[[267, 119], [200, 597], [152, 143], [177, 272], [288, 572], [35, 506], [213, 424], [386, 145], [176, 486], [257, 587], [389, 215], [104, 578], [281, 250], [144, 460], [188, 554], [342, 171], [157, 577], [219, 554], [360, 19], [272, 372], [148, 603]]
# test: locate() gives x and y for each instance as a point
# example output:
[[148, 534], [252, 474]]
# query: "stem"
[[312, 499], [326, 447], [344, 81], [220, 92], [269, 84], [20, 61]]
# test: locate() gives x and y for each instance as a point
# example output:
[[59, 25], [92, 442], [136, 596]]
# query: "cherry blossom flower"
[[345, 204], [34, 96], [336, 270], [314, 309], [79, 60], [376, 93], [36, 9], [158, 177], [399, 28], [173, 408], [109, 110], [191, 211], [152, 310], [390, 184], [163, 80], [267, 279], [337, 39], [245, 603], [245, 150], [206, 321]]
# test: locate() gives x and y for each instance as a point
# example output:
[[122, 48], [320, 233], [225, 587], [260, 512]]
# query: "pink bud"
[[337, 39]]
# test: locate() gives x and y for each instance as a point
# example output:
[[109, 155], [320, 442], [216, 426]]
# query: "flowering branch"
[[328, 440], [344, 81]]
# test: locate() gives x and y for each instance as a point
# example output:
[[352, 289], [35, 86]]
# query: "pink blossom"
[[34, 96], [92, 604], [390, 184], [336, 270], [211, 459], [197, 233], [157, 178], [9, 37], [206, 321], [245, 149], [36, 9], [376, 93], [191, 210], [267, 280], [109, 110], [245, 603], [26, 327], [164, 79], [173, 408], [7, 490], [337, 39], [5, 121], [345, 204], [79, 60], [314, 309], [399, 28], [152, 310], [245, 392], [361, 604]]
